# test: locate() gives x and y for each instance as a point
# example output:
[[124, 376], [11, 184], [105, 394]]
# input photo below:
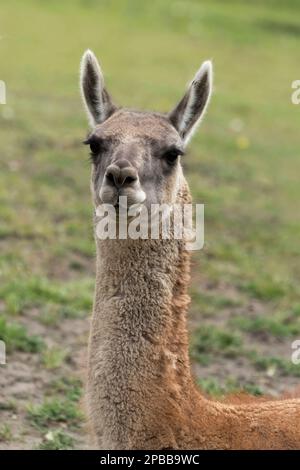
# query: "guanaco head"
[[133, 153]]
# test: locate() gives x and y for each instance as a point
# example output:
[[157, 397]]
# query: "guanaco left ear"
[[97, 101], [187, 115]]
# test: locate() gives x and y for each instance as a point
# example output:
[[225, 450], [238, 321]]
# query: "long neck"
[[141, 293], [138, 352], [140, 392]]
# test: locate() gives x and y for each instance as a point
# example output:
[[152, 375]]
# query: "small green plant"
[[278, 325], [16, 337], [210, 305], [5, 433], [52, 314], [266, 289], [273, 365], [27, 292], [209, 340], [212, 387], [70, 387], [54, 411], [56, 440], [9, 405], [53, 358]]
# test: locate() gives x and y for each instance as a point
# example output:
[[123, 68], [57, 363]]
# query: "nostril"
[[110, 177], [130, 179]]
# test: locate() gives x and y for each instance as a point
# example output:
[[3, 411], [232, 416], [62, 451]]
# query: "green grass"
[[210, 304], [9, 405], [56, 440], [70, 387], [73, 299], [272, 364], [249, 193], [60, 407], [209, 340], [5, 433], [209, 343], [58, 415], [243, 164], [279, 325], [17, 338], [53, 411], [213, 388], [266, 289], [54, 357]]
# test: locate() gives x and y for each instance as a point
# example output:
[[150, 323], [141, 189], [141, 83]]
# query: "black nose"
[[120, 174]]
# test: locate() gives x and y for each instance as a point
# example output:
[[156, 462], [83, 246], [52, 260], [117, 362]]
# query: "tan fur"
[[140, 390]]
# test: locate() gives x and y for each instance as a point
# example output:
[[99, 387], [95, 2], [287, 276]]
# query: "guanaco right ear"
[[97, 101], [187, 115]]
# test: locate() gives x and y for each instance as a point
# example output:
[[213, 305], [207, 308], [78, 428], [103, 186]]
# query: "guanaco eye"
[[172, 155], [95, 147]]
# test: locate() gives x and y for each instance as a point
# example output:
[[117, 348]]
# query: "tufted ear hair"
[[187, 115], [97, 101]]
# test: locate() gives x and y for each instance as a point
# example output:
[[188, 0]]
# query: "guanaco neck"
[[138, 352], [140, 391]]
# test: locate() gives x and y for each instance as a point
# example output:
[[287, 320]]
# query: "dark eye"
[[171, 156], [95, 147]]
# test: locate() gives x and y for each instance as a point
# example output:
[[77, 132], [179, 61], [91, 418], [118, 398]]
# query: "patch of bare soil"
[[24, 380]]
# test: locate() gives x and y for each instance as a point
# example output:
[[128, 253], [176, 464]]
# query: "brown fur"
[[140, 390]]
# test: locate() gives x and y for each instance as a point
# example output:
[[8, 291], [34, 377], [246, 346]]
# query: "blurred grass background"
[[243, 164]]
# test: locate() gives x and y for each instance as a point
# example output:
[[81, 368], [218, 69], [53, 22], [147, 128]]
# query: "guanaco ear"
[[187, 115], [95, 97]]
